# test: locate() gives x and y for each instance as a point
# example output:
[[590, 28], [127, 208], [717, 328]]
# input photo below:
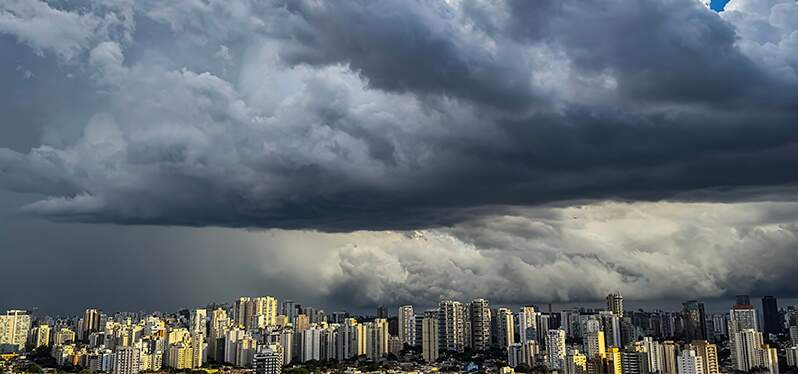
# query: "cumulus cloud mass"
[[521, 150]]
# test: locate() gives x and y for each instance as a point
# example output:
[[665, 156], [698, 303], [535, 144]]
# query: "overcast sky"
[[161, 154]]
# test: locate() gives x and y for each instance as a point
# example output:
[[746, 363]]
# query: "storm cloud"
[[484, 125], [405, 115]]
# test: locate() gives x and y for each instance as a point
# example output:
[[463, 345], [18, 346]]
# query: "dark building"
[[555, 320], [393, 326], [695, 320], [634, 363], [770, 315], [382, 312]]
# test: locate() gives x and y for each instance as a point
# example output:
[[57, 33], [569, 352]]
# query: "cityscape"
[[265, 336], [399, 186]]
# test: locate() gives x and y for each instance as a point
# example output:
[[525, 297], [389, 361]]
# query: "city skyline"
[[156, 154], [714, 306], [265, 335]]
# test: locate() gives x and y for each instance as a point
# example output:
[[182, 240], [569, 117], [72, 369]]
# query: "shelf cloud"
[[518, 139]]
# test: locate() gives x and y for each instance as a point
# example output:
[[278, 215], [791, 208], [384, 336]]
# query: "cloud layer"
[[525, 151], [648, 251], [402, 115]]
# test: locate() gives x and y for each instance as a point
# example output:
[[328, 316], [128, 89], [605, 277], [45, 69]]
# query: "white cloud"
[[768, 33], [43, 28], [648, 251], [63, 32]]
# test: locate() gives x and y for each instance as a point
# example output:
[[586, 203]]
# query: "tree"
[[27, 368], [523, 368], [299, 370]]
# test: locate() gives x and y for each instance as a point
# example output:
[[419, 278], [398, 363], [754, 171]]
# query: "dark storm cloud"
[[658, 51], [364, 115], [417, 47]]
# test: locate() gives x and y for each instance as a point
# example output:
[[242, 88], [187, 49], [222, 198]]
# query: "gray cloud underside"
[[648, 251], [399, 115]]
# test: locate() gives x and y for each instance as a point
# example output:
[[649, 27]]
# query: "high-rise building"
[[768, 358], [614, 361], [467, 339], [615, 303], [151, 354], [741, 317], [527, 324], [14, 328], [40, 336], [198, 321], [265, 311], [311, 344], [241, 311], [287, 346], [407, 325], [505, 327], [429, 337], [181, 356], [694, 320], [527, 327], [377, 338], [709, 355], [634, 362], [220, 324], [575, 362], [328, 336], [611, 324], [289, 310], [198, 346], [751, 352], [515, 355], [301, 323], [719, 327], [555, 348], [543, 327], [346, 340], [256, 312], [382, 312], [669, 352], [594, 344], [451, 323], [792, 356], [480, 324], [126, 360], [91, 323], [654, 351], [746, 344], [268, 359], [689, 362], [61, 336], [772, 323]]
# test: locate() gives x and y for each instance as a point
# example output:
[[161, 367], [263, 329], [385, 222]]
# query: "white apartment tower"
[[555, 348], [14, 328], [126, 360], [451, 316], [527, 324], [505, 327], [407, 325], [689, 362]]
